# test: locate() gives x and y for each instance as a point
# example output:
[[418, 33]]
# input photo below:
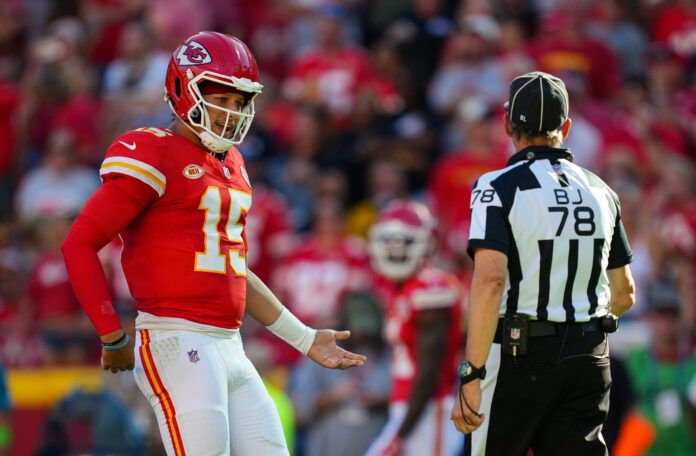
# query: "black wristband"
[[118, 341]]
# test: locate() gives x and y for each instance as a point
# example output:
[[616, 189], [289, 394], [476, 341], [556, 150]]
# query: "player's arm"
[[622, 288], [432, 328], [487, 286], [489, 242], [319, 345], [105, 214], [621, 283]]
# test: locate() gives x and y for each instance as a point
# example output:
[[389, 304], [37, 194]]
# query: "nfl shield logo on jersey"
[[245, 175], [193, 356], [514, 333]]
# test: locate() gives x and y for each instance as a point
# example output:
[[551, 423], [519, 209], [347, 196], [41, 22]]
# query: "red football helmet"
[[211, 57], [401, 239]]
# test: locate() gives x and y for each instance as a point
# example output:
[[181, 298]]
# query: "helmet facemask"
[[237, 122], [398, 250]]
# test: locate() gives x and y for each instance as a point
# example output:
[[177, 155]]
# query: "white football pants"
[[207, 396]]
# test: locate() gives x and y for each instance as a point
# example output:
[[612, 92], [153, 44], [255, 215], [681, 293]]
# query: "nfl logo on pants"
[[514, 333]]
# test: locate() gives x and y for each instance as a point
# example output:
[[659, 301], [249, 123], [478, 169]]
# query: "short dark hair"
[[551, 135]]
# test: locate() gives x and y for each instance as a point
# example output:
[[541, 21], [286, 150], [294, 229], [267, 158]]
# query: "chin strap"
[[209, 141]]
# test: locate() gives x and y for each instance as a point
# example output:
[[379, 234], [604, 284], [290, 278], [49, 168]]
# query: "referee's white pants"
[[433, 435], [206, 394]]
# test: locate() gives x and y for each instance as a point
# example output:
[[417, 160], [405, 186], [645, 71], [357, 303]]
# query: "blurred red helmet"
[[401, 239], [207, 59]]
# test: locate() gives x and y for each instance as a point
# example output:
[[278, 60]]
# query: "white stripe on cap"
[[512, 105], [541, 113]]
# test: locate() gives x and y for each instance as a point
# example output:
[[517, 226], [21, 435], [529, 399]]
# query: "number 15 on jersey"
[[212, 259]]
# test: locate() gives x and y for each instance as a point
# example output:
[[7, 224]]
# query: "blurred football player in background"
[[179, 198], [423, 307]]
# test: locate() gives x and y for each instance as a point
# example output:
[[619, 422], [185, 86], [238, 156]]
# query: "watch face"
[[464, 369]]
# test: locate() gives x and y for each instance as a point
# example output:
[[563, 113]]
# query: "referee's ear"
[[565, 128], [508, 127]]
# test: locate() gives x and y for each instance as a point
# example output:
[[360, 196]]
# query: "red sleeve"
[[108, 212]]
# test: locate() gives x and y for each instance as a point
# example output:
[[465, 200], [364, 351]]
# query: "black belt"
[[539, 328]]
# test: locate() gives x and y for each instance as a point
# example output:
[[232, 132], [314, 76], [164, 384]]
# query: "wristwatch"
[[468, 372]]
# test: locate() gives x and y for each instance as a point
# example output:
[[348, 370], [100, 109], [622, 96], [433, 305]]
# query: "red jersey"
[[456, 174], [313, 279], [428, 289], [675, 26], [336, 77], [184, 256]]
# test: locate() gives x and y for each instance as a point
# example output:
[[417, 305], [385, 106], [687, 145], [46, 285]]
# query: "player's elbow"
[[493, 281]]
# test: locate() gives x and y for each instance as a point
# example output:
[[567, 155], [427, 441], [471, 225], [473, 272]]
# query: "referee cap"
[[538, 102]]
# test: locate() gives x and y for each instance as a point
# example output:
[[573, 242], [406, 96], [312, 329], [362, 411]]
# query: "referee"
[[551, 276]]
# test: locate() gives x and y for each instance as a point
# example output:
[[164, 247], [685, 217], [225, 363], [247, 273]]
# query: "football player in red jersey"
[[179, 198], [423, 306]]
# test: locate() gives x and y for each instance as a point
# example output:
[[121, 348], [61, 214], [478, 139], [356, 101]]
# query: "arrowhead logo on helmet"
[[212, 57], [193, 53]]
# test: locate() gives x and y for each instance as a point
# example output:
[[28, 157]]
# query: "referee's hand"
[[465, 409]]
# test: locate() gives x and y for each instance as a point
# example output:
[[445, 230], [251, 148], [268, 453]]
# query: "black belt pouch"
[[515, 334]]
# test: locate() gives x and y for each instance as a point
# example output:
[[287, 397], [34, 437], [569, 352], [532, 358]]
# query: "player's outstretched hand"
[[119, 360], [325, 351]]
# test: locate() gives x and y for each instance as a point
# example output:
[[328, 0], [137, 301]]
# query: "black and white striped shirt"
[[560, 227]]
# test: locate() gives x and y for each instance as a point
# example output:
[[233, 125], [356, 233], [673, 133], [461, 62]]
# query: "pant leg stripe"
[[161, 393]]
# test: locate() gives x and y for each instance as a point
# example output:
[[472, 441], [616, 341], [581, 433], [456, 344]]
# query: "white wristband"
[[289, 328]]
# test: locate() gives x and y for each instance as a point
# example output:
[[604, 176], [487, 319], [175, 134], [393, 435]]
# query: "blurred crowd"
[[364, 102]]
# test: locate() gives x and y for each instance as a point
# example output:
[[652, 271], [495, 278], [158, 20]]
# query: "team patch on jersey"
[[193, 356], [193, 172], [193, 53], [245, 175]]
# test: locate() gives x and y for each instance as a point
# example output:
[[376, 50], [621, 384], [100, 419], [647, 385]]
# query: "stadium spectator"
[[294, 172], [664, 374], [59, 186], [333, 74], [326, 264], [564, 44], [481, 150], [420, 35], [56, 314], [612, 26], [5, 422], [386, 182], [95, 422], [133, 82], [470, 67]]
